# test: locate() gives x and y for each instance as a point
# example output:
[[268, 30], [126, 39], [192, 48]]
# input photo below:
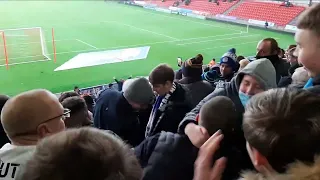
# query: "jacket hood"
[[262, 70], [295, 171]]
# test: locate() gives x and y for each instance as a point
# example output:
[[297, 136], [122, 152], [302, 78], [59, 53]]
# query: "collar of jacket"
[[316, 80], [295, 171], [189, 80]]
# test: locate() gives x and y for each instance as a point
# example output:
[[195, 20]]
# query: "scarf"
[[152, 125], [308, 84]]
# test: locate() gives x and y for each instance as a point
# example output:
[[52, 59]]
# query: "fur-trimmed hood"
[[296, 171]]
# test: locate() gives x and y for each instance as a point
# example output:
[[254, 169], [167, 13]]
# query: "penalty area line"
[[87, 44]]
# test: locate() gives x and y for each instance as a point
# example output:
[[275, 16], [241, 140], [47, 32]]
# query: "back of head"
[[243, 63], [85, 153], [310, 18], [161, 74], [79, 112], [26, 111], [283, 125], [138, 90], [300, 76], [218, 113], [262, 70], [273, 45], [193, 67], [66, 95]]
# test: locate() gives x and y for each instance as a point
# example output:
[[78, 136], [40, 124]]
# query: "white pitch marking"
[[87, 44]]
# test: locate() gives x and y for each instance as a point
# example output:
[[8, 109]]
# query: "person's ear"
[[259, 159], [42, 130]]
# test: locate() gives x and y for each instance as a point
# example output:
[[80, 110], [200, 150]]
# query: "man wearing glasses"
[[26, 119]]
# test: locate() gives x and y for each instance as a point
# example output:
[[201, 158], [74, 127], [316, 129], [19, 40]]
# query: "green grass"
[[113, 26]]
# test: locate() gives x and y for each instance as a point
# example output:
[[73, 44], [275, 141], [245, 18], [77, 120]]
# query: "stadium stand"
[[210, 7], [160, 3], [270, 12]]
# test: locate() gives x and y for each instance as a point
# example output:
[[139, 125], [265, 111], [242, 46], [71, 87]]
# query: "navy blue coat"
[[113, 112]]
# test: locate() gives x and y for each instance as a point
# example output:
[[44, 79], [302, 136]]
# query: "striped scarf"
[[164, 102]]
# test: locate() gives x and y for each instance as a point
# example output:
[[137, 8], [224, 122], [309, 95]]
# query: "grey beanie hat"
[[139, 91]]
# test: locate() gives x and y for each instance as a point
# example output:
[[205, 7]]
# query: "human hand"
[[203, 169], [197, 134]]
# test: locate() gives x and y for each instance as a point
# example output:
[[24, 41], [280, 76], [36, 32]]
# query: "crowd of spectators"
[[236, 119]]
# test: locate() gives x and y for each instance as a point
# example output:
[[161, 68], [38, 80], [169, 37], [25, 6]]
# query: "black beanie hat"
[[193, 67]]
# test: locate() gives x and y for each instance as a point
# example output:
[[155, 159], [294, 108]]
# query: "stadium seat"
[[159, 3], [272, 12], [209, 7]]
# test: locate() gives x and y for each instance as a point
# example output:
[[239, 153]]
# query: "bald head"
[[24, 112]]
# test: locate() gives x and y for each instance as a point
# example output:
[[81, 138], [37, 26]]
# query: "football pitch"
[[91, 26]]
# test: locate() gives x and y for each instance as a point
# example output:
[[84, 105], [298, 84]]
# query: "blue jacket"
[[113, 112]]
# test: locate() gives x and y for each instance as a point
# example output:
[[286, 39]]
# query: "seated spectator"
[[243, 63], [172, 103], [79, 115], [89, 102], [299, 78], [256, 77], [67, 94], [228, 66], [117, 111], [268, 48], [82, 154], [27, 118], [283, 135], [166, 149], [3, 136], [191, 71]]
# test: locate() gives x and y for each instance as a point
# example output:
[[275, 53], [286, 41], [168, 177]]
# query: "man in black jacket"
[[268, 48], [171, 156], [120, 111], [172, 102]]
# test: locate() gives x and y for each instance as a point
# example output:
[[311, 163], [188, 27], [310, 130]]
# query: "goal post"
[[22, 45]]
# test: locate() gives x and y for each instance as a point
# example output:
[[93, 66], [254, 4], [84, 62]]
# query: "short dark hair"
[[239, 58], [284, 126], [66, 95], [218, 113], [310, 19], [79, 115], [274, 45], [82, 154], [76, 87], [161, 74]]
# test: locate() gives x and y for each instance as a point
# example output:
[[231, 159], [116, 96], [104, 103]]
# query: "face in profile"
[[162, 89]]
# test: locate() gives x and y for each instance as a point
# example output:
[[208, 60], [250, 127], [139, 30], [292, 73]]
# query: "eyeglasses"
[[66, 114]]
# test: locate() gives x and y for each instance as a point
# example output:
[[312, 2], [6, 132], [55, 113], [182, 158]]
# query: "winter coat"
[[179, 103], [280, 65], [167, 156], [171, 156], [113, 112], [198, 89], [295, 171], [262, 70]]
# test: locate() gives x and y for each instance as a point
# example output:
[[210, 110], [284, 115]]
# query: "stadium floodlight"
[[22, 45]]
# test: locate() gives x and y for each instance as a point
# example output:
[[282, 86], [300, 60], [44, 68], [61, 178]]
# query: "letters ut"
[[6, 167]]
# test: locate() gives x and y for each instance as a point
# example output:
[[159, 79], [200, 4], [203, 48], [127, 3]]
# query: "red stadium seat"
[[271, 12]]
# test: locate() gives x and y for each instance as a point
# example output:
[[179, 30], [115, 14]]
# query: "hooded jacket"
[[295, 171], [262, 70]]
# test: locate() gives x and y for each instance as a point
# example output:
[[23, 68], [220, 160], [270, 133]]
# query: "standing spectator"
[[172, 102], [256, 77], [118, 111], [192, 70], [166, 149], [268, 48], [294, 64], [3, 136], [27, 118], [83, 154], [283, 135], [79, 115], [228, 66], [308, 50], [89, 102], [67, 94]]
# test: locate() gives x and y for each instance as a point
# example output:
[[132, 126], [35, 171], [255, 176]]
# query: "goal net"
[[24, 45]]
